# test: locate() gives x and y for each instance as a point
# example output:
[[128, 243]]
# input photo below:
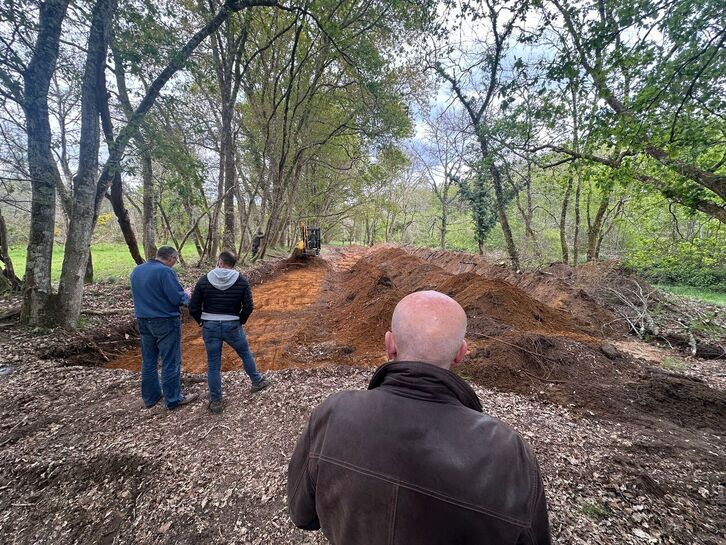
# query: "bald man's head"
[[427, 326]]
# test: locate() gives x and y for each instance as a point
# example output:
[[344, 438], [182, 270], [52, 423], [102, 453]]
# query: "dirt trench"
[[282, 308], [335, 311]]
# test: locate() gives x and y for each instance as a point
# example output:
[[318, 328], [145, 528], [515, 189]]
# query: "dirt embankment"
[[520, 344], [553, 285], [282, 299], [335, 311], [606, 300]]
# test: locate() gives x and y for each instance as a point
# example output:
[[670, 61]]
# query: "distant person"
[[157, 297], [256, 241], [221, 303], [412, 460]]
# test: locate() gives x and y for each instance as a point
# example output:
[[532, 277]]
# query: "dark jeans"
[[215, 332], [160, 337]]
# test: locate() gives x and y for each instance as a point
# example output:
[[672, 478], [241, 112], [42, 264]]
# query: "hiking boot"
[[152, 405], [263, 383], [216, 406], [186, 401]]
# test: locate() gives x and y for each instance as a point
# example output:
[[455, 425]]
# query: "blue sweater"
[[156, 291]]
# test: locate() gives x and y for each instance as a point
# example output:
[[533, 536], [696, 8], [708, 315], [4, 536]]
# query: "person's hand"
[[188, 292]]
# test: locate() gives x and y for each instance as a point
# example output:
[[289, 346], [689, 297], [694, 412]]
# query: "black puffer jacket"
[[236, 300], [414, 461]]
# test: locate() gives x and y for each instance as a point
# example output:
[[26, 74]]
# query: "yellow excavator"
[[309, 243]]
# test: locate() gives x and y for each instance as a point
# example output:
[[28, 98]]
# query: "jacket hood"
[[222, 278], [425, 381]]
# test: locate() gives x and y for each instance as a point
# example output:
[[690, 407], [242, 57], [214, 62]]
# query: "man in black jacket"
[[412, 460], [221, 303]]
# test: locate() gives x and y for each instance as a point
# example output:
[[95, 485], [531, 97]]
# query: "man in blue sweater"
[[221, 303], [157, 297]]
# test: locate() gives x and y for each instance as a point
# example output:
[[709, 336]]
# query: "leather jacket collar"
[[418, 380]]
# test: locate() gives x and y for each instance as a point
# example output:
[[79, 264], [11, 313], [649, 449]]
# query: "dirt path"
[[282, 305]]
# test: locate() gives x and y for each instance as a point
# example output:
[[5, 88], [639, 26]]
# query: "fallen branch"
[[551, 380], [99, 350], [517, 347], [203, 437]]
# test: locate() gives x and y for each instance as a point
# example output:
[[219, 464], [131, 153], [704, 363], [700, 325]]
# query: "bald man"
[[413, 460]]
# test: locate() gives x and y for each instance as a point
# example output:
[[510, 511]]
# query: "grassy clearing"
[[702, 294], [111, 262]]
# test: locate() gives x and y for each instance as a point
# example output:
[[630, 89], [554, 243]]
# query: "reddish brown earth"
[[520, 344], [281, 308], [336, 311]]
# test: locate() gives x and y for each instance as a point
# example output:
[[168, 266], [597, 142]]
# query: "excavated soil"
[[282, 305], [335, 311]]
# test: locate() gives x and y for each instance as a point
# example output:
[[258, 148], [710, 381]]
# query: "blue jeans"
[[160, 337], [215, 332]]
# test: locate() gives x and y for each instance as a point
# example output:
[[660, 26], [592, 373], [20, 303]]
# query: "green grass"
[[111, 262], [702, 294], [674, 364], [596, 510]]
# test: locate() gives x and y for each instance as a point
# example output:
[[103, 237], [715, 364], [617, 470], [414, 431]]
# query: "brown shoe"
[[186, 400]]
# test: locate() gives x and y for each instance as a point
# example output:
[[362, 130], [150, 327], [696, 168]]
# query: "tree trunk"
[[228, 240], [117, 191], [44, 175], [244, 217], [444, 221], [8, 272], [196, 235], [88, 274], [78, 242], [576, 238], [503, 220], [593, 234], [148, 213], [171, 233], [122, 215], [214, 228], [563, 221], [149, 217]]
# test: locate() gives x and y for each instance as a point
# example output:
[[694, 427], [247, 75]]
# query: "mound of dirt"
[[361, 313], [517, 343], [555, 286], [606, 300], [576, 374], [371, 289]]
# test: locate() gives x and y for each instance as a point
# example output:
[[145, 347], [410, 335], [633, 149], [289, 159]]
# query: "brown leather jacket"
[[413, 461]]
